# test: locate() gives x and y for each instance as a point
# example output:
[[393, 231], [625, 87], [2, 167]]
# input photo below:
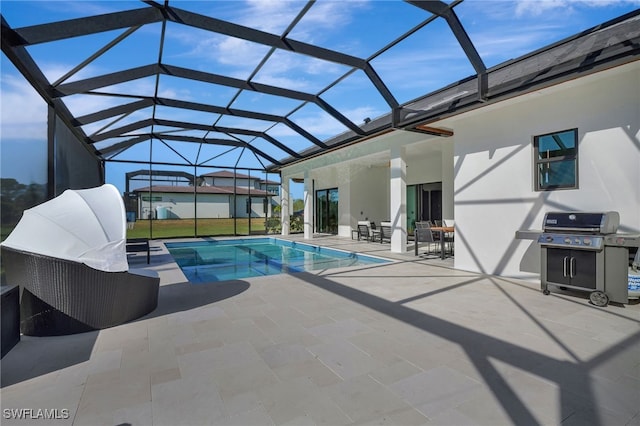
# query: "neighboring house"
[[215, 199], [558, 131], [226, 178]]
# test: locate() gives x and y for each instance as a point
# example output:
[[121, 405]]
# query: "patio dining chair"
[[449, 236], [424, 235], [364, 231], [367, 231], [385, 232], [427, 224]]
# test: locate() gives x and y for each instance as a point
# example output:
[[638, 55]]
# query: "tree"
[[10, 189], [298, 204], [16, 197]]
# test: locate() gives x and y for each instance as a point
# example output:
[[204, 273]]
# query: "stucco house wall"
[[257, 206], [228, 181], [369, 187], [214, 206], [362, 174], [181, 206], [493, 186]]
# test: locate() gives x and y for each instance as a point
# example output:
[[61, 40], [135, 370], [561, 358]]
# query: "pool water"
[[207, 261]]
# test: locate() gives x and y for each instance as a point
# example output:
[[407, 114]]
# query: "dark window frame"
[[538, 161]]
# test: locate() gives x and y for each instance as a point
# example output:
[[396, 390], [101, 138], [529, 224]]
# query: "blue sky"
[[426, 61]]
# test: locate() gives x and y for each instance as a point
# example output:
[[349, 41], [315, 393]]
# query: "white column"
[[285, 202], [308, 206], [448, 175], [344, 208], [398, 200]]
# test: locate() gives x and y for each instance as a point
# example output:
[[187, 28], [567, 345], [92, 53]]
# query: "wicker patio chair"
[[60, 296], [68, 257]]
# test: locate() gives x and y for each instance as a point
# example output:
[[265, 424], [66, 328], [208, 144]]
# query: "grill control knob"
[[577, 241], [587, 241], [567, 240], [549, 239]]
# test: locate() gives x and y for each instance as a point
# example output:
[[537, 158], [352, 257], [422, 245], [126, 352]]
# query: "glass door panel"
[[327, 211], [321, 210], [412, 209], [436, 205], [332, 210]]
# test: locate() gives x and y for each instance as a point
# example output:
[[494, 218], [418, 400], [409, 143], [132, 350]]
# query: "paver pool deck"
[[410, 342]]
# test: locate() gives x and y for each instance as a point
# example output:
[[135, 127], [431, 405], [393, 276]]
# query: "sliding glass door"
[[327, 211], [412, 208], [424, 202]]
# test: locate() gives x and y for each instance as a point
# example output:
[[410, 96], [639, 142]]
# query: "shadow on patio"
[[36, 356], [573, 377]]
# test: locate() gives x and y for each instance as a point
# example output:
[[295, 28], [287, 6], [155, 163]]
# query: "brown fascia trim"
[[435, 131]]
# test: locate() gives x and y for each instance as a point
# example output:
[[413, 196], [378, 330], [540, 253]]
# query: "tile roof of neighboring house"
[[204, 190], [229, 174]]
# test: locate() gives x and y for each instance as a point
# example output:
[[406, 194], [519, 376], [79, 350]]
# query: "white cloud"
[[323, 125], [80, 105], [273, 16], [282, 130], [534, 8], [24, 113], [269, 15], [512, 41], [357, 115], [236, 52], [324, 17], [503, 30], [540, 7], [298, 72]]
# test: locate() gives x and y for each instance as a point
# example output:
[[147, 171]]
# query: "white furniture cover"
[[87, 226]]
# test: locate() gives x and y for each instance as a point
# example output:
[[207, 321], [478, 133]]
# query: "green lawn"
[[167, 228], [6, 230]]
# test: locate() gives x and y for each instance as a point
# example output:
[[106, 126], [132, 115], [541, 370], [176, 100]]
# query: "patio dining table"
[[441, 230]]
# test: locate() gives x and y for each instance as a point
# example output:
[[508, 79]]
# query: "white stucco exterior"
[[486, 169], [210, 206], [229, 181], [493, 185]]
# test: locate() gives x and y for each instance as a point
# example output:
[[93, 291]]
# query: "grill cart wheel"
[[546, 292], [599, 298]]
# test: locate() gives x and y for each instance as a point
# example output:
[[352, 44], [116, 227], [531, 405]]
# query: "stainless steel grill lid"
[[597, 223]]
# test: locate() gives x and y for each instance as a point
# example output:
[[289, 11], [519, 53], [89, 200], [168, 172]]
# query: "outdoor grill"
[[583, 251]]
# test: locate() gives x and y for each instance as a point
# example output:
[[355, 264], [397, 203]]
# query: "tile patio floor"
[[407, 343]]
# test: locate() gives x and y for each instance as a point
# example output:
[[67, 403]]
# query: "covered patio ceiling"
[[219, 84]]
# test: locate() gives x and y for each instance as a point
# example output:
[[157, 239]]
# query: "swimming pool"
[[207, 261]]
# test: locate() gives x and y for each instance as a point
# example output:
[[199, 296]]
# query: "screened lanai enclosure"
[[191, 108]]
